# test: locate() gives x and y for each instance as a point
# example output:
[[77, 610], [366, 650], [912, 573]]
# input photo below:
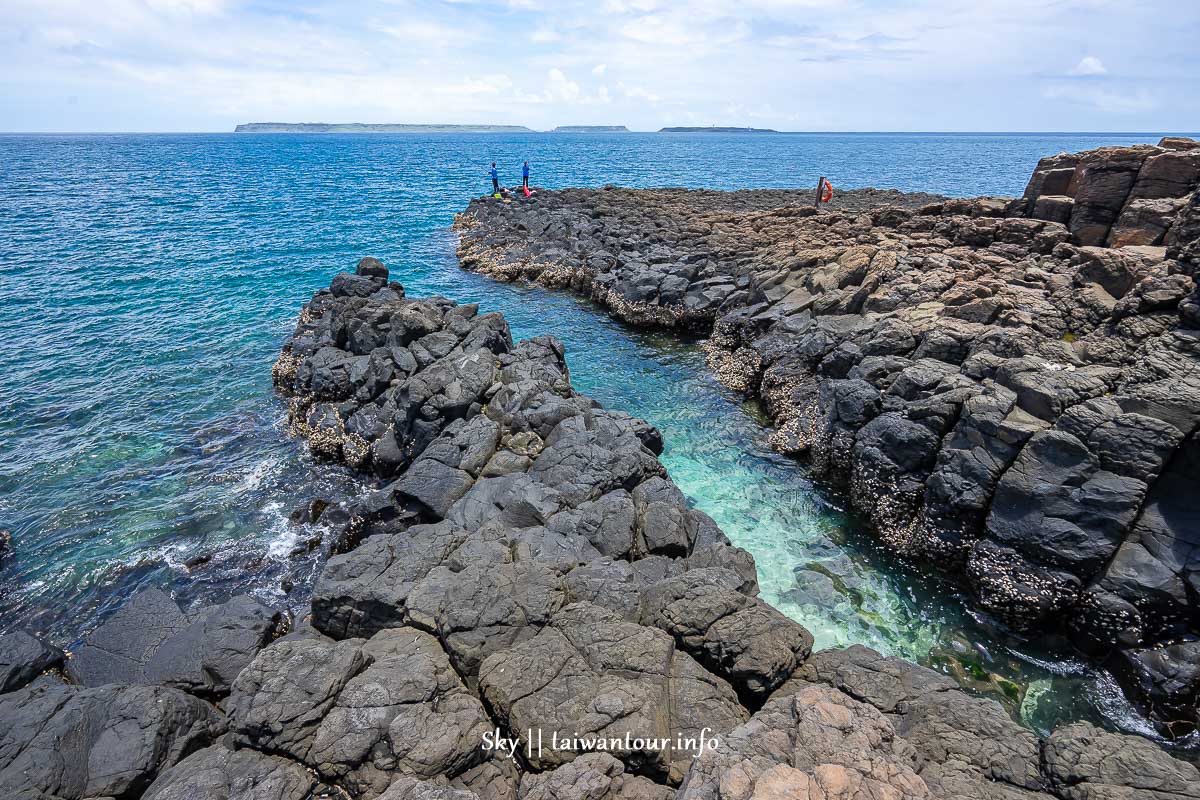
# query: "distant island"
[[361, 127], [590, 129], [716, 129]]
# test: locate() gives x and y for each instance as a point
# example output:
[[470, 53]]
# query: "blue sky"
[[206, 65]]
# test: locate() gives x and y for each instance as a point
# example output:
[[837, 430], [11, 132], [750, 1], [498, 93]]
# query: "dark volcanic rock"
[[23, 658], [360, 712], [1009, 389], [595, 776], [217, 773], [591, 674], [528, 571], [151, 641], [63, 743], [1083, 762]]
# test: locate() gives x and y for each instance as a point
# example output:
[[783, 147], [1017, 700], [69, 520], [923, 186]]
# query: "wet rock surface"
[[1008, 390]]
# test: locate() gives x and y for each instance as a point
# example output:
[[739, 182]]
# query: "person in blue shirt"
[[525, 174], [495, 179]]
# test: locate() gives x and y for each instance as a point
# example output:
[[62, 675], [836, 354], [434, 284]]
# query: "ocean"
[[147, 282]]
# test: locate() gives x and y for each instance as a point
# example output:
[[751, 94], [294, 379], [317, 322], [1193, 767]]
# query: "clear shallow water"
[[146, 283]]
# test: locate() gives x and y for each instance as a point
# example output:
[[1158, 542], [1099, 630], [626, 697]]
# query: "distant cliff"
[[716, 129], [360, 127], [591, 129]]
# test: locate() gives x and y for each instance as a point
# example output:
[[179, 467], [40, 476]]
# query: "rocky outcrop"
[[526, 610], [217, 773], [853, 723], [530, 576], [23, 657], [60, 742], [150, 641], [1116, 195], [528, 540], [1007, 389]]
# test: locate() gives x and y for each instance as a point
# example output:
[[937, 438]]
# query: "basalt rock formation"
[[527, 574], [1008, 389]]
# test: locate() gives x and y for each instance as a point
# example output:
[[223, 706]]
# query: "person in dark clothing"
[[525, 174], [495, 179]]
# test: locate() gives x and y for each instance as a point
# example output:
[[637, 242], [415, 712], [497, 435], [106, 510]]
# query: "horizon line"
[[699, 129]]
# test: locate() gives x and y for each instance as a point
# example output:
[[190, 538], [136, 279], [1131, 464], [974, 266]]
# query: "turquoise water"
[[148, 281]]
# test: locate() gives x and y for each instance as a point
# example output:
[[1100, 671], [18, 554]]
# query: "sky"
[[802, 65]]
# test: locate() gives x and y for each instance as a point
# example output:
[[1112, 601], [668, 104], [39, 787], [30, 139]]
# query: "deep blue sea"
[[147, 282]]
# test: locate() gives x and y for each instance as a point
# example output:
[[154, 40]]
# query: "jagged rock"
[[366, 590], [593, 776], [882, 681], [1106, 177], [279, 701], [360, 712], [530, 552], [739, 637], [60, 742], [494, 779], [971, 737], [591, 674], [217, 773], [23, 658], [1083, 762], [815, 742], [980, 372], [1167, 680], [151, 641], [407, 787], [485, 608]]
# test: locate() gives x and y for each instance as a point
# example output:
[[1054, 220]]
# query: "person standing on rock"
[[525, 175], [495, 179]]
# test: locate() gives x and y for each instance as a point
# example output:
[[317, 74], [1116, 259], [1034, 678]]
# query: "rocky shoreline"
[[527, 573], [1008, 389]]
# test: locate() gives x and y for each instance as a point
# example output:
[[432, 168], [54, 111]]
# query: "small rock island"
[[360, 127], [591, 129], [715, 129]]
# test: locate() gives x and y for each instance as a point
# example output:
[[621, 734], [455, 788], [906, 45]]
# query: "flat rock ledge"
[[1008, 389], [527, 572]]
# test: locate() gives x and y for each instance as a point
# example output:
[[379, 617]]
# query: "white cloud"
[[639, 93], [1107, 101], [207, 61], [1089, 65], [187, 6], [560, 87]]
